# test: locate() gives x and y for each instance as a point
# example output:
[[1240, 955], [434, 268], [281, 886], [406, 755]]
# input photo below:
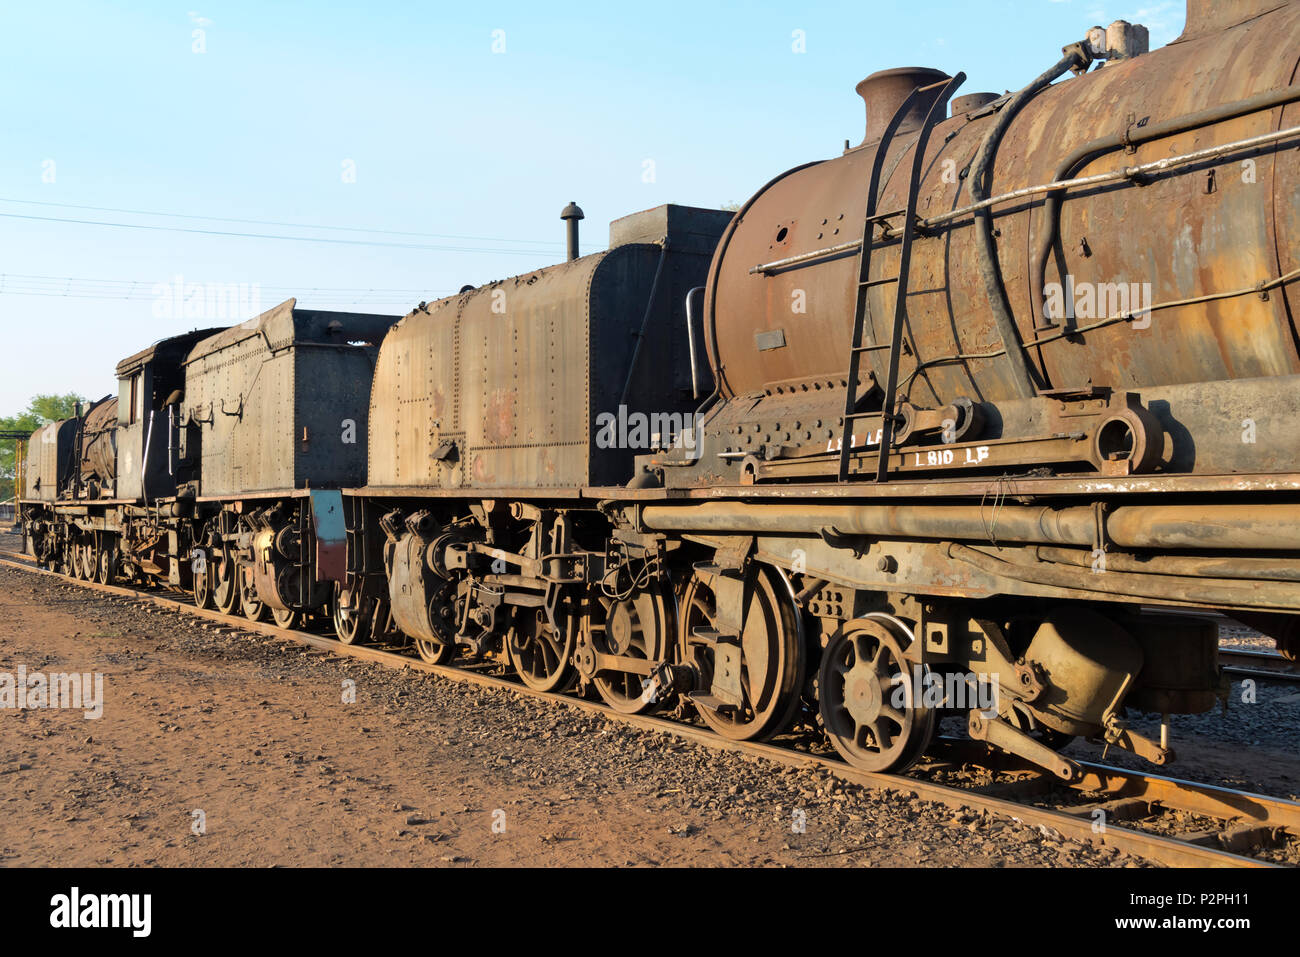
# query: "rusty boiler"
[[1168, 275]]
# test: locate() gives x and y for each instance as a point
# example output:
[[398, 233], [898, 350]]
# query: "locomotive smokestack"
[[884, 93], [572, 213]]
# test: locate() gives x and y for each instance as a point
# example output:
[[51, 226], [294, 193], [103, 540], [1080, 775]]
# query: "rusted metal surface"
[[1255, 594], [1266, 485], [506, 385], [51, 458], [1181, 249], [280, 401], [99, 450], [1246, 527], [886, 91]]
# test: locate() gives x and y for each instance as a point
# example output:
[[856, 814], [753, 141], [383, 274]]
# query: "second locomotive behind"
[[219, 467]]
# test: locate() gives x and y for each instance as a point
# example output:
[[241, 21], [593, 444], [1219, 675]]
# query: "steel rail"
[[1261, 665]]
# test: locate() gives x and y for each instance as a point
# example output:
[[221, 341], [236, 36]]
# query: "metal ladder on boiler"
[[938, 110]]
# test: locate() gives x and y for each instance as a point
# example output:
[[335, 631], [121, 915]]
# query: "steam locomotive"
[[1001, 396]]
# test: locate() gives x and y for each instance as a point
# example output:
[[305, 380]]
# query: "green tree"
[[42, 410]]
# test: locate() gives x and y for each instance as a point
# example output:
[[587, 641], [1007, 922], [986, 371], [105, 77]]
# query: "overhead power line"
[[71, 287], [270, 222], [146, 282], [307, 297], [300, 239], [10, 282]]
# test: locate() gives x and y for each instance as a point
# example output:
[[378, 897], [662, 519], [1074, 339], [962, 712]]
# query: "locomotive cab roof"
[[172, 349]]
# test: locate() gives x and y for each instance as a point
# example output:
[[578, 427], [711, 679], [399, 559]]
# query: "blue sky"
[[437, 141]]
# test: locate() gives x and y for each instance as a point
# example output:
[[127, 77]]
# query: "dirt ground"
[[255, 734]]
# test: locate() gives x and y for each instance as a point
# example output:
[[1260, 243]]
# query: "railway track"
[[1260, 665], [1166, 820]]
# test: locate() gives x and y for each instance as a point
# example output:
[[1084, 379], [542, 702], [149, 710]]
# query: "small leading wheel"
[[89, 559], [288, 618], [225, 584], [351, 614], [203, 573], [541, 655], [772, 659], [254, 608], [435, 652], [637, 627], [80, 560], [871, 697], [107, 571]]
